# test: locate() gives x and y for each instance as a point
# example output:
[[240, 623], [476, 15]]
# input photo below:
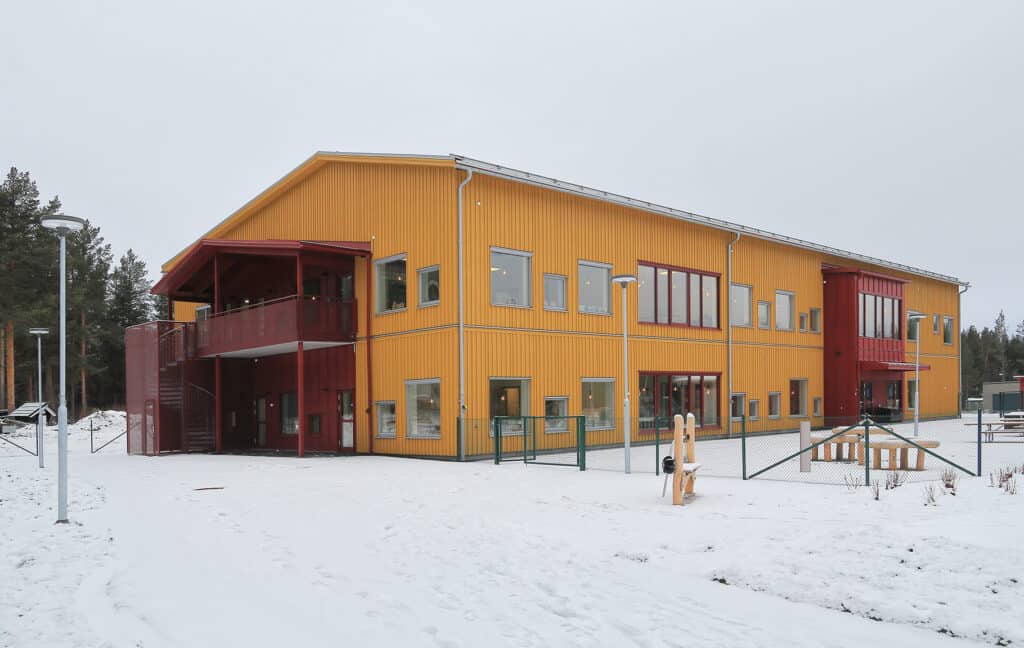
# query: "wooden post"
[[10, 365], [677, 451], [217, 408], [302, 400]]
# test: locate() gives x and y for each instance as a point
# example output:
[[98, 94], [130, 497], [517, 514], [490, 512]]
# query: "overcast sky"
[[893, 129]]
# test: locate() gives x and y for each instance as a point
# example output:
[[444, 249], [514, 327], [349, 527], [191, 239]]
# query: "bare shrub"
[[895, 479], [851, 482], [876, 489], [929, 495]]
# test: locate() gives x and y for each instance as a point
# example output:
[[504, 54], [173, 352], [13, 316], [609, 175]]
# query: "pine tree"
[[128, 303], [89, 260]]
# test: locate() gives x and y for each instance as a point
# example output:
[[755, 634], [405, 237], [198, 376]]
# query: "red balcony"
[[276, 327]]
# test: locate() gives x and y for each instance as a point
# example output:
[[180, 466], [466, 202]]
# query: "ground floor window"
[[599, 403], [817, 406], [755, 409], [289, 413], [774, 404], [509, 397], [663, 395], [798, 398], [912, 394], [423, 408], [736, 406], [556, 408], [386, 419]]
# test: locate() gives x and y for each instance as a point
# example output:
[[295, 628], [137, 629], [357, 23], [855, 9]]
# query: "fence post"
[[526, 447], [533, 424], [581, 427], [979, 442], [657, 448], [805, 443], [867, 451], [497, 441], [460, 452], [743, 442]]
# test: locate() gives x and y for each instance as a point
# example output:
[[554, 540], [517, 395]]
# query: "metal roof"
[[30, 410], [488, 168]]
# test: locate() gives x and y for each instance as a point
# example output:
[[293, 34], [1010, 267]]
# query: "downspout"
[[462, 331], [959, 354], [728, 324], [369, 358]]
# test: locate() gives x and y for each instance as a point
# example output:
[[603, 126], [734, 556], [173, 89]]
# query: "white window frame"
[[525, 385], [529, 275], [779, 396], [792, 310], [750, 305], [753, 409], [936, 318], [805, 321], [423, 303], [810, 322], [564, 425], [816, 406], [952, 333], [409, 410], [607, 267], [377, 279], [582, 406], [768, 325], [565, 292], [743, 408], [379, 419]]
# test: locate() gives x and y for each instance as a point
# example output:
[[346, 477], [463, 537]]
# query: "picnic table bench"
[[894, 445], [853, 440]]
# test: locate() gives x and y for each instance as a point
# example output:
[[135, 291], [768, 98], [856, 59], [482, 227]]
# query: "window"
[[764, 315], [913, 327], [599, 403], [737, 405], [774, 404], [663, 395], [556, 408], [314, 424], [554, 292], [391, 284], [815, 320], [947, 330], [675, 296], [798, 397], [510, 278], [429, 283], [803, 322], [880, 316], [911, 394], [785, 304], [595, 287], [755, 409], [423, 409], [289, 413], [935, 324], [509, 397], [386, 419], [740, 305], [817, 406]]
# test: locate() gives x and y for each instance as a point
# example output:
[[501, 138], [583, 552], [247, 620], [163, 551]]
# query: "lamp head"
[[623, 279], [39, 331], [62, 224]]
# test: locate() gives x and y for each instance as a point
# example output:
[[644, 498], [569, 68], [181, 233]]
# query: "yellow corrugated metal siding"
[[185, 311]]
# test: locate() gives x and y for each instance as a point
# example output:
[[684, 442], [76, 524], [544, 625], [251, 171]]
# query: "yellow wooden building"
[[470, 290]]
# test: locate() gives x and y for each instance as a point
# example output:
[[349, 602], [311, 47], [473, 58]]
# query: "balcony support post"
[[218, 411], [216, 284], [302, 399], [300, 302]]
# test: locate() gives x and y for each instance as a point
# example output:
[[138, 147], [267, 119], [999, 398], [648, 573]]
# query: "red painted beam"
[[218, 398], [302, 399]]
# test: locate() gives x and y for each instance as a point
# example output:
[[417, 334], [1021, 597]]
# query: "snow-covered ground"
[[354, 551]]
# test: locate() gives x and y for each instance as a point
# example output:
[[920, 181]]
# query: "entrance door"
[[347, 421], [261, 422]]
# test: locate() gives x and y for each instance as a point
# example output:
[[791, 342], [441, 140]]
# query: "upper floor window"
[[764, 315], [785, 305], [880, 317], [554, 292], [947, 330], [391, 284], [595, 287], [815, 320], [740, 305], [913, 327], [935, 324], [429, 285], [681, 297], [510, 277]]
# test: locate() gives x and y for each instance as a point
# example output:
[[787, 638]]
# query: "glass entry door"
[[346, 421]]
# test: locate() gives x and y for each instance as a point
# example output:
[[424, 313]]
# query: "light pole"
[[915, 319], [624, 280], [62, 225], [39, 333]]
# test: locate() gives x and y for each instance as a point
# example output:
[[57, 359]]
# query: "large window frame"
[[383, 302], [736, 296], [413, 397], [602, 423], [879, 316], [599, 273], [527, 258], [695, 309], [659, 391]]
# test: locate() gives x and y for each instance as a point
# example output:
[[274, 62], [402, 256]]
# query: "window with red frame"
[[663, 395], [880, 317], [676, 296]]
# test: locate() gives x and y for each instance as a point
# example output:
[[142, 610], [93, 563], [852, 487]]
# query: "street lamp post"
[[624, 280], [39, 333], [62, 225], [916, 318]]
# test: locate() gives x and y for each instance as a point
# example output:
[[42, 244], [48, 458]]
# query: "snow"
[[330, 551]]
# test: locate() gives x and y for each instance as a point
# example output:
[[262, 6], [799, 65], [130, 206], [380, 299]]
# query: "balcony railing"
[[281, 321]]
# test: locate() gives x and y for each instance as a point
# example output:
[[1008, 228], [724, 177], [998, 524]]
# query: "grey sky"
[[889, 128]]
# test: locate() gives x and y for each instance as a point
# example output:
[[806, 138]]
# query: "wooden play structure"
[[850, 446], [684, 473]]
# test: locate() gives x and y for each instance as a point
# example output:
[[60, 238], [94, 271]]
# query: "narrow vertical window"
[[947, 330], [391, 284], [429, 280], [815, 320], [645, 275], [709, 301], [785, 304], [740, 305], [386, 419], [554, 292], [423, 409], [764, 315], [599, 403], [595, 287]]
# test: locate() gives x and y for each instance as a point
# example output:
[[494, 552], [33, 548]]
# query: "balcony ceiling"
[[278, 349]]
